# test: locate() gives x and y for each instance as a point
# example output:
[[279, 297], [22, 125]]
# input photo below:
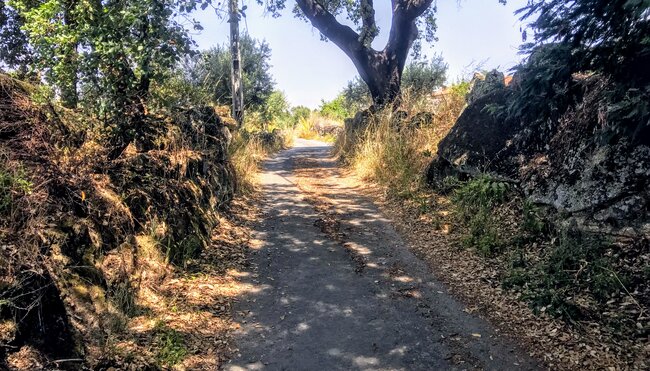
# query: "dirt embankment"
[[118, 263]]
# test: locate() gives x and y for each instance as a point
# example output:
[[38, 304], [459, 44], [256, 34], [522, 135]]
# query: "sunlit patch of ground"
[[312, 179], [183, 317], [475, 280], [434, 237]]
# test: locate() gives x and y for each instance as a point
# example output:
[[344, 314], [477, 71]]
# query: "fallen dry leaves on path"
[[186, 314], [475, 281]]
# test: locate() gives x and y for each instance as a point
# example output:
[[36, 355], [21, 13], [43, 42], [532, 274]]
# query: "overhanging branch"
[[343, 36], [369, 28]]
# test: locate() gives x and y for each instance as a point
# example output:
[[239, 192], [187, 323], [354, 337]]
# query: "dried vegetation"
[[575, 299], [97, 255]]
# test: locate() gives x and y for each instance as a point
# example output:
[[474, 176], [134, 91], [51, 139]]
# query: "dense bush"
[[336, 108]]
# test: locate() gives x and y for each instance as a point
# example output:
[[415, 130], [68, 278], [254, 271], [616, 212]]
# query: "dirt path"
[[336, 287]]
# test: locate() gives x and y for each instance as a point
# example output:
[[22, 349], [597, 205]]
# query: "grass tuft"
[[13, 184], [171, 345]]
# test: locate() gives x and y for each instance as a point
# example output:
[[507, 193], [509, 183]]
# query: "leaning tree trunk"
[[380, 70], [236, 74], [383, 76]]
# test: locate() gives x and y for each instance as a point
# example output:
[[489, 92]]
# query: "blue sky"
[[309, 70]]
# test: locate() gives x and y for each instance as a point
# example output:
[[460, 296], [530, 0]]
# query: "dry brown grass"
[[317, 127], [183, 318], [394, 151], [247, 151], [84, 249]]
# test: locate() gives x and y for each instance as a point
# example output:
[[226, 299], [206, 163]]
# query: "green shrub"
[[474, 203], [171, 345], [335, 109], [478, 194], [12, 184], [577, 263], [532, 223]]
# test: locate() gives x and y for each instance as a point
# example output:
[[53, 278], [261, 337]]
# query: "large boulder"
[[580, 164], [485, 84], [479, 138]]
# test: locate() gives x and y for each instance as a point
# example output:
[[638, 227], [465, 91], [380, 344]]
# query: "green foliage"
[[12, 184], [483, 233], [14, 48], [422, 77], [211, 70], [610, 37], [357, 96], [335, 109], [474, 204], [546, 89], [299, 113], [606, 38], [104, 54], [171, 345], [419, 79], [578, 263], [275, 113], [480, 193], [461, 89], [179, 90], [532, 223]]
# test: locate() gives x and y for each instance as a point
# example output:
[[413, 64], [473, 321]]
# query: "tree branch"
[[369, 28], [404, 30], [343, 36]]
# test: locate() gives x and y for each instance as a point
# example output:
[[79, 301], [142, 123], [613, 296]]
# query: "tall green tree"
[[607, 36], [14, 47], [212, 70]]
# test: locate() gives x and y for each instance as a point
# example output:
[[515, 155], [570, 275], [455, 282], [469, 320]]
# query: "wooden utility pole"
[[236, 78]]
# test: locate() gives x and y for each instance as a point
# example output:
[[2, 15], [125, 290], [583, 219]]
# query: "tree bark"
[[69, 80], [380, 70], [237, 90]]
